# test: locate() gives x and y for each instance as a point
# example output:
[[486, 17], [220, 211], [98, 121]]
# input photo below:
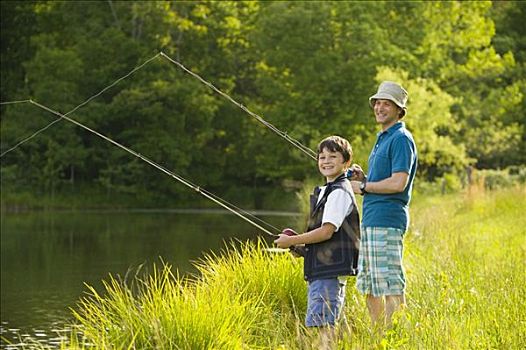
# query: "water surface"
[[47, 257]]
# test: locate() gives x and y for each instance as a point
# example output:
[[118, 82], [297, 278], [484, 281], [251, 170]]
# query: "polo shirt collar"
[[392, 128]]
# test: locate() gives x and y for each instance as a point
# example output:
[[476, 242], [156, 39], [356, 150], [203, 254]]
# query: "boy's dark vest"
[[337, 256]]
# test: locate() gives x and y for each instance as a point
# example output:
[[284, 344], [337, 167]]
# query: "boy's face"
[[331, 164]]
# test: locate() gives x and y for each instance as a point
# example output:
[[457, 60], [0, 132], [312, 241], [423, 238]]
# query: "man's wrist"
[[363, 186]]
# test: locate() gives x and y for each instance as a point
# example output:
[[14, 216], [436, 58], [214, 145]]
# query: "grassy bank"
[[465, 262]]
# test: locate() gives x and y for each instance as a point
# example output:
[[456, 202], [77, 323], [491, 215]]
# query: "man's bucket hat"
[[391, 91]]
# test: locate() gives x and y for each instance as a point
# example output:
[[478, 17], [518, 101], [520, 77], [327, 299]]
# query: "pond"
[[47, 257]]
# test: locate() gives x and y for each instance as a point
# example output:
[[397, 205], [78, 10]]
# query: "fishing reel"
[[298, 250]]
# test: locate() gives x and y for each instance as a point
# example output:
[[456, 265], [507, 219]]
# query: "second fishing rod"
[[221, 202]]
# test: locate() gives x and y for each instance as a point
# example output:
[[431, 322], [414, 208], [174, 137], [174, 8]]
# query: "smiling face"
[[387, 113], [331, 164]]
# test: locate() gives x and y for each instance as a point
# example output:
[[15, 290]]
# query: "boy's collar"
[[338, 179]]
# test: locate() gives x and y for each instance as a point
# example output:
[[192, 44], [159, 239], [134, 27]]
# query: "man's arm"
[[396, 183]]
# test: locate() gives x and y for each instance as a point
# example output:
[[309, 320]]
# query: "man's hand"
[[357, 173], [356, 187]]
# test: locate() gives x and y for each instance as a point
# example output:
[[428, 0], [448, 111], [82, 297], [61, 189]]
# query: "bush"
[[493, 179]]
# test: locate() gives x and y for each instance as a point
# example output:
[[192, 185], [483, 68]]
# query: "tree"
[[306, 67]]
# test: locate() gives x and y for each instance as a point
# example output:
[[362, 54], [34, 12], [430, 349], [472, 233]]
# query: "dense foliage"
[[306, 67]]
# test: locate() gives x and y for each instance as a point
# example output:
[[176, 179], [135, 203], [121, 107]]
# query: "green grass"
[[465, 262]]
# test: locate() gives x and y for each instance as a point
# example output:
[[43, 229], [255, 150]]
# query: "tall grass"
[[465, 263]]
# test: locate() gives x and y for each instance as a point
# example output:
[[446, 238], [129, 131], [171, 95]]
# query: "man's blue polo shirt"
[[394, 151]]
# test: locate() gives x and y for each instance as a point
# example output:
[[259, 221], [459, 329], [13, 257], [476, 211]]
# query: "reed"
[[465, 261]]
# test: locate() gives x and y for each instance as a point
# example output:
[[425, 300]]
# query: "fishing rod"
[[309, 152], [223, 203], [230, 207], [74, 109], [306, 150]]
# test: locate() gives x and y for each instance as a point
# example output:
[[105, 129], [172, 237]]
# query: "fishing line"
[[223, 203], [216, 199], [14, 102], [74, 109], [30, 136], [309, 152], [284, 135]]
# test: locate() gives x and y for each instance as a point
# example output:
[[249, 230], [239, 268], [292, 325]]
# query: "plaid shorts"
[[380, 262]]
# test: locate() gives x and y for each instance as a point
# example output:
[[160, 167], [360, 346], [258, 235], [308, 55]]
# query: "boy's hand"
[[357, 173], [285, 238], [298, 251]]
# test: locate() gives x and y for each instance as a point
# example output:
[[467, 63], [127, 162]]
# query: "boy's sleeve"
[[338, 206]]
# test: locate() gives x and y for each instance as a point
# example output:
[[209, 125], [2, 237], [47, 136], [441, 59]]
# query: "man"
[[387, 193]]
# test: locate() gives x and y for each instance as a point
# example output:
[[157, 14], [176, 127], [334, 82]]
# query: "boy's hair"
[[336, 144]]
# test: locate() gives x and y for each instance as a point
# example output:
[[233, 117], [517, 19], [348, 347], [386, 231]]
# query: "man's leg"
[[395, 299], [376, 310], [393, 303]]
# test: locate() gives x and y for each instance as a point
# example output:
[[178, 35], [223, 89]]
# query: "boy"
[[332, 238]]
